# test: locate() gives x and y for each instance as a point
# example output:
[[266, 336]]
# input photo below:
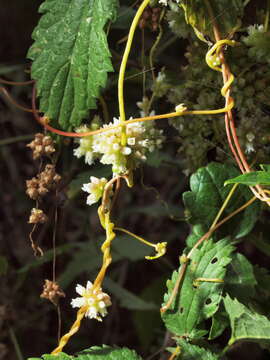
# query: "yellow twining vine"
[[74, 328], [212, 59]]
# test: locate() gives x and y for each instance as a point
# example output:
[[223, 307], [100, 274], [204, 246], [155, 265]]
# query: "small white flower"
[[126, 150], [95, 188], [95, 301], [131, 141], [249, 148], [163, 2]]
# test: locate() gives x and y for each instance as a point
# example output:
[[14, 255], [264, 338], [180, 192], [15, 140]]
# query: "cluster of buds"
[[142, 138], [94, 300], [52, 292], [37, 216], [41, 145], [39, 186], [150, 18]]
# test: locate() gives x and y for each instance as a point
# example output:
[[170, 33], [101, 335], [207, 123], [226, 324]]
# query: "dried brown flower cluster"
[[41, 146], [150, 18], [39, 186], [52, 292], [37, 216]]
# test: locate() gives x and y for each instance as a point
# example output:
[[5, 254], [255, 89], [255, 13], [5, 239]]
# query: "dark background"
[[29, 325]]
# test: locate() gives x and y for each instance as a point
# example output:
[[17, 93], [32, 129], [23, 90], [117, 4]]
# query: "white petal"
[[78, 302], [91, 199], [85, 188], [90, 301], [94, 180], [102, 304], [131, 141], [91, 312], [89, 285], [116, 146], [80, 289], [78, 152], [89, 158], [126, 150]]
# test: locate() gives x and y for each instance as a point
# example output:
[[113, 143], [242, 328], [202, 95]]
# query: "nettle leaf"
[[240, 280], [96, 353], [251, 179], [245, 323], [194, 304], [227, 13], [207, 196], [108, 353], [71, 57], [194, 352]]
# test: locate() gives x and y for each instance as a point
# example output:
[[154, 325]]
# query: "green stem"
[[15, 344], [266, 21], [16, 139]]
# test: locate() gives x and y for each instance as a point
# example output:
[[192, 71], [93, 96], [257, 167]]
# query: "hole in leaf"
[[214, 260], [208, 301], [181, 310]]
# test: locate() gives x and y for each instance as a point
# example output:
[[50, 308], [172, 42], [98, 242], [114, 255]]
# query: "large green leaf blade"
[[251, 179], [208, 194], [194, 352], [194, 304], [96, 353], [227, 14], [245, 323], [70, 57]]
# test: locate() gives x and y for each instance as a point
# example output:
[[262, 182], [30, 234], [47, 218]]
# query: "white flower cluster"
[[87, 142], [141, 139], [94, 300], [165, 2], [95, 188]]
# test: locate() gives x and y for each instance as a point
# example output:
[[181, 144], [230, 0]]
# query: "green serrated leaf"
[[193, 352], [240, 280], [108, 353], [96, 353], [71, 57], [194, 304], [60, 356], [251, 179], [208, 194], [246, 324], [198, 15]]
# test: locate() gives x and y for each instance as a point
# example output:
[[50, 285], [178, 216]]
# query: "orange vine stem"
[[12, 101], [18, 83]]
